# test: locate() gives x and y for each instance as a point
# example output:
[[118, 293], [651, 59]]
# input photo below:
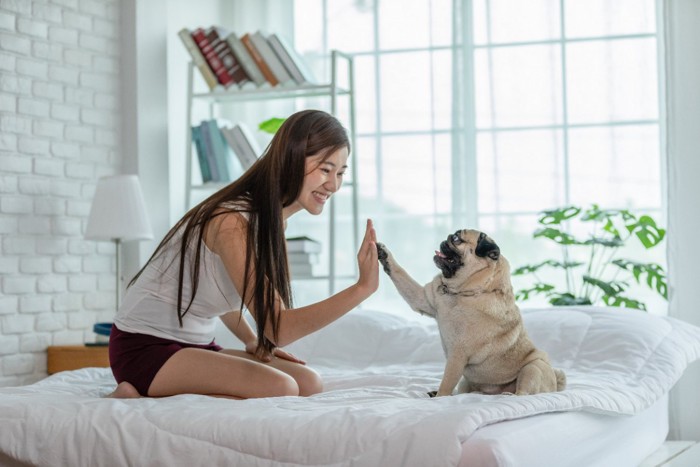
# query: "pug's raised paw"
[[383, 255]]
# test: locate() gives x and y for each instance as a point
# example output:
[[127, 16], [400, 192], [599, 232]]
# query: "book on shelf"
[[302, 257], [273, 62], [243, 143], [204, 40], [303, 244], [201, 154], [198, 59], [213, 153], [208, 147], [223, 50], [258, 59], [302, 270], [220, 150], [246, 60], [291, 59]]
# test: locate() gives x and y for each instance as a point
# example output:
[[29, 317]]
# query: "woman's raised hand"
[[367, 260]]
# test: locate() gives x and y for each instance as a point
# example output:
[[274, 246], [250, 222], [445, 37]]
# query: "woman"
[[228, 251]]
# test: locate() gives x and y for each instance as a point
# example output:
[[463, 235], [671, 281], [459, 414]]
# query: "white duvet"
[[377, 369]]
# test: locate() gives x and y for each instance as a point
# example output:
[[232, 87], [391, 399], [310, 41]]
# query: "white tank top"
[[150, 304]]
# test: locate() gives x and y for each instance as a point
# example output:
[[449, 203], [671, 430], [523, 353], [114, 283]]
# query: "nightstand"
[[74, 357]]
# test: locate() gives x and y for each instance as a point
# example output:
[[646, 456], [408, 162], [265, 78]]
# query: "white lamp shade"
[[118, 211]]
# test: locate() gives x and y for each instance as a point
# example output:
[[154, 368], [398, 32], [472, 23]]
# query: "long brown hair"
[[272, 183]]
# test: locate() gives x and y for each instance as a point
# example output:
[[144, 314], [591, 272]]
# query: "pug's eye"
[[456, 239]]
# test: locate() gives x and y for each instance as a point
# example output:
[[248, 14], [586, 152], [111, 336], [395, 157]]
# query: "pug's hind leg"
[[536, 377]]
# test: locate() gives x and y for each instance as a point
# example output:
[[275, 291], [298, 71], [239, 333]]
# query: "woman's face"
[[322, 179]]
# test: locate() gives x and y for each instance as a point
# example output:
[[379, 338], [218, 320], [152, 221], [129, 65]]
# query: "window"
[[483, 113]]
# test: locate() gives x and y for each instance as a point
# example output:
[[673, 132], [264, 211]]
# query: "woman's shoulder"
[[241, 207]]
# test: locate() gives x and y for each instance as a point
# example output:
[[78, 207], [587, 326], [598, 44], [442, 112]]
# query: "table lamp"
[[118, 214]]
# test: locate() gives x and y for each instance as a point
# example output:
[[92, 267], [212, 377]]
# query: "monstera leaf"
[[557, 216], [656, 278], [528, 269], [609, 230]]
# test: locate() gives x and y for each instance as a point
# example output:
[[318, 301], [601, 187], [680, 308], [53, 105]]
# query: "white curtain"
[[682, 18]]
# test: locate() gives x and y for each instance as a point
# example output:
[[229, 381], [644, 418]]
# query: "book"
[[264, 69], [225, 53], [243, 144], [201, 154], [303, 244], [274, 63], [209, 151], [302, 270], [302, 257], [247, 62], [219, 150], [198, 59], [203, 40], [291, 59]]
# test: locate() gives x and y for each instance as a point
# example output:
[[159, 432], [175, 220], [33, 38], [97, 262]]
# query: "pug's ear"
[[486, 247]]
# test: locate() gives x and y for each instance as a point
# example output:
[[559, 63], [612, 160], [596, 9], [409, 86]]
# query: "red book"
[[225, 53], [201, 38]]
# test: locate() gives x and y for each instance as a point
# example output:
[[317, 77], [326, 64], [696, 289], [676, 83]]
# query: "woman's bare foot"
[[125, 390]]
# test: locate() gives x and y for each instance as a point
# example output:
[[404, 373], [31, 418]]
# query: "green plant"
[[591, 282], [271, 125]]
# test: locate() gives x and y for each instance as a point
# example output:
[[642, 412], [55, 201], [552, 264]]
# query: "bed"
[[377, 368]]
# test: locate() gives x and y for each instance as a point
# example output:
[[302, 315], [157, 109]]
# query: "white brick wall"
[[59, 132]]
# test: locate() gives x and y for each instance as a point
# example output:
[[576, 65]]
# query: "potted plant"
[[603, 277]]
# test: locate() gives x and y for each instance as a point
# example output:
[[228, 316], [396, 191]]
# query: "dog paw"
[[383, 255]]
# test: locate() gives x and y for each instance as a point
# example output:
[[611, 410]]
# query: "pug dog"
[[485, 343]]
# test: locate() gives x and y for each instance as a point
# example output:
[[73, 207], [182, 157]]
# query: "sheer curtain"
[[683, 117], [482, 113]]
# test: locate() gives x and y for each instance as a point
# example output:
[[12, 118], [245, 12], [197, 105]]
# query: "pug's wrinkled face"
[[468, 249]]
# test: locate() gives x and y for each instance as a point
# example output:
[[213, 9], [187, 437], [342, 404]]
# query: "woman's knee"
[[282, 385], [309, 382]]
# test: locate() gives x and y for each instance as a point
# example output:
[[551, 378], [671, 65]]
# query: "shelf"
[[278, 92], [333, 91]]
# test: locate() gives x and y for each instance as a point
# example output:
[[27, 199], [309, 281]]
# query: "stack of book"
[[214, 144], [252, 60], [302, 255]]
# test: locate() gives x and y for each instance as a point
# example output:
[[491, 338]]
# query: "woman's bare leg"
[[199, 371], [307, 379]]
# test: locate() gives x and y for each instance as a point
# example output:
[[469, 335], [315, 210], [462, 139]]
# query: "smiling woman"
[[227, 253]]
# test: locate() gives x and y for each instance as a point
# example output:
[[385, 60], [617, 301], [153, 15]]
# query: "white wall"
[[683, 149], [59, 132]]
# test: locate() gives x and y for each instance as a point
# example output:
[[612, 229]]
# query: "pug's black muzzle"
[[450, 261]]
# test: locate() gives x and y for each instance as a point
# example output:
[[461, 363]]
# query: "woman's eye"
[[326, 171], [340, 174]]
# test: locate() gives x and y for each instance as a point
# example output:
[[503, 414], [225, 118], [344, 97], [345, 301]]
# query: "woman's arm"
[[228, 239]]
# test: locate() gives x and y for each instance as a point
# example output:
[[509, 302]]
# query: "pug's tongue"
[[439, 253]]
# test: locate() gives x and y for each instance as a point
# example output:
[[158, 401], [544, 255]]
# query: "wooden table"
[[74, 357]]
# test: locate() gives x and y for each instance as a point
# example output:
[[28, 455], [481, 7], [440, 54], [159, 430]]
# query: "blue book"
[[209, 151], [219, 150], [201, 154]]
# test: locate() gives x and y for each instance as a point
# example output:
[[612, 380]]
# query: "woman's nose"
[[333, 184]]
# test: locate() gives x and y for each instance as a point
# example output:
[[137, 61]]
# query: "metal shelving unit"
[[331, 90]]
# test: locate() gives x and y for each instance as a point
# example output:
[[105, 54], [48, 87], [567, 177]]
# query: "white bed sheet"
[[377, 368], [600, 440]]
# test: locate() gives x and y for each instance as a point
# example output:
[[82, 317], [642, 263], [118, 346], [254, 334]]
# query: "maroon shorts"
[[136, 358]]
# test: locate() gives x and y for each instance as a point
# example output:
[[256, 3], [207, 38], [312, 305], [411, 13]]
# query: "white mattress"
[[602, 440], [377, 369]]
